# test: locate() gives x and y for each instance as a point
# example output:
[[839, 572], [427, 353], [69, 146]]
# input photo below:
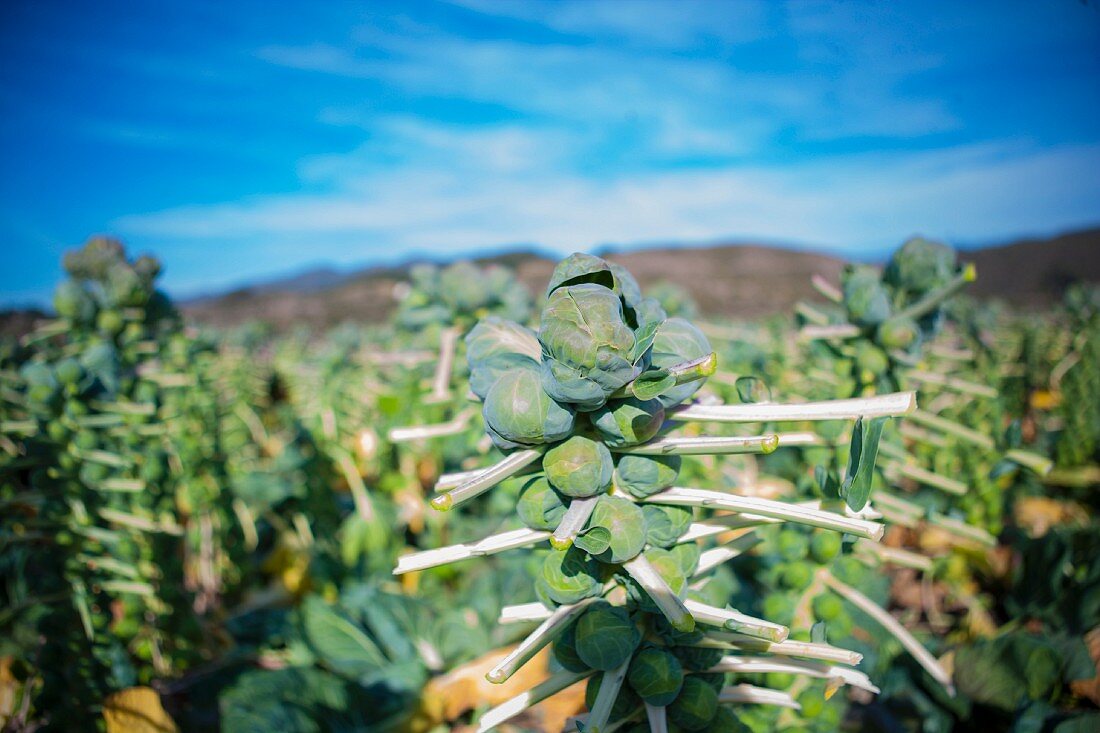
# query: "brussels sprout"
[[461, 286], [796, 575], [865, 298], [74, 302], [920, 265], [587, 346], [484, 374], [644, 476], [579, 467], [812, 702], [824, 546], [871, 361], [898, 332], [626, 702], [579, 268], [628, 422], [687, 556], [565, 650], [697, 658], [539, 506], [518, 413], [605, 636], [695, 706], [717, 680], [656, 675], [725, 721], [828, 607], [668, 568], [665, 524], [493, 337], [678, 341], [570, 576], [792, 544], [625, 523]]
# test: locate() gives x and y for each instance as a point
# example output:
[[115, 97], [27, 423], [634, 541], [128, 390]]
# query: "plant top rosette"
[[585, 411]]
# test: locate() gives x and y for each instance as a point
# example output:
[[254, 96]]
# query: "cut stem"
[[783, 511], [935, 422], [457, 425], [894, 404], [441, 382], [576, 516], [704, 445], [484, 480], [511, 708], [816, 332], [670, 604], [547, 631], [788, 648], [933, 299], [453, 553], [610, 685], [818, 670], [923, 657], [752, 695], [732, 620], [658, 721]]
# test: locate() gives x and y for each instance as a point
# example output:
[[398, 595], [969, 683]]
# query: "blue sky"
[[247, 139]]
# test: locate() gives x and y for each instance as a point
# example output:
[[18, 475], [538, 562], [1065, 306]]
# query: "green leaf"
[[818, 633], [752, 389], [594, 541], [856, 488], [652, 383], [340, 643]]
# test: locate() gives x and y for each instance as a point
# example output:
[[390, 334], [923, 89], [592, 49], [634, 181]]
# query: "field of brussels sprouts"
[[584, 509]]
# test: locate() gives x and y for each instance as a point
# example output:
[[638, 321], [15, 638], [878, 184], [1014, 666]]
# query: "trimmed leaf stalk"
[[888, 405], [441, 381], [767, 508], [953, 383], [826, 288], [657, 718], [752, 695], [926, 477], [896, 555], [716, 556], [610, 685], [816, 332], [547, 631], [923, 657], [704, 445], [453, 553], [932, 300], [670, 604], [942, 424], [512, 464], [576, 516], [515, 706], [788, 648], [765, 665], [733, 620], [455, 426]]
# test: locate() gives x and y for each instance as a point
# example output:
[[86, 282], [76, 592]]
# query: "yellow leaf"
[[137, 710], [1044, 400]]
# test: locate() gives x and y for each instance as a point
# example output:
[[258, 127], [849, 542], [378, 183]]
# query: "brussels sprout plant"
[[591, 419]]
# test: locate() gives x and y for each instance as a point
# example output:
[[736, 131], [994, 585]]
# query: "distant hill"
[[727, 280]]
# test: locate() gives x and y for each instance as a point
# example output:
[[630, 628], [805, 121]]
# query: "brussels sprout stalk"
[[942, 424], [753, 695], [705, 446], [511, 708], [895, 555], [610, 685], [683, 373], [488, 546], [441, 381], [546, 632], [576, 516], [658, 720], [487, 479], [768, 508], [1037, 463], [924, 476], [953, 383], [788, 648], [888, 405], [923, 657], [816, 332], [712, 558], [766, 665], [733, 620], [665, 599], [932, 300], [826, 288], [523, 613], [456, 425]]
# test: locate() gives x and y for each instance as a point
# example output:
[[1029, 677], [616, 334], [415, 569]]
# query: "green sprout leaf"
[[856, 488]]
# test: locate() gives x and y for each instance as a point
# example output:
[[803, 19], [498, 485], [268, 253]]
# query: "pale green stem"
[[788, 648], [512, 464], [546, 632], [935, 422], [733, 620], [894, 404], [933, 299], [952, 383], [926, 477], [746, 694], [658, 721], [453, 553], [610, 685], [824, 332], [670, 604], [705, 445], [511, 708], [826, 288], [572, 522], [923, 657], [767, 508]]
